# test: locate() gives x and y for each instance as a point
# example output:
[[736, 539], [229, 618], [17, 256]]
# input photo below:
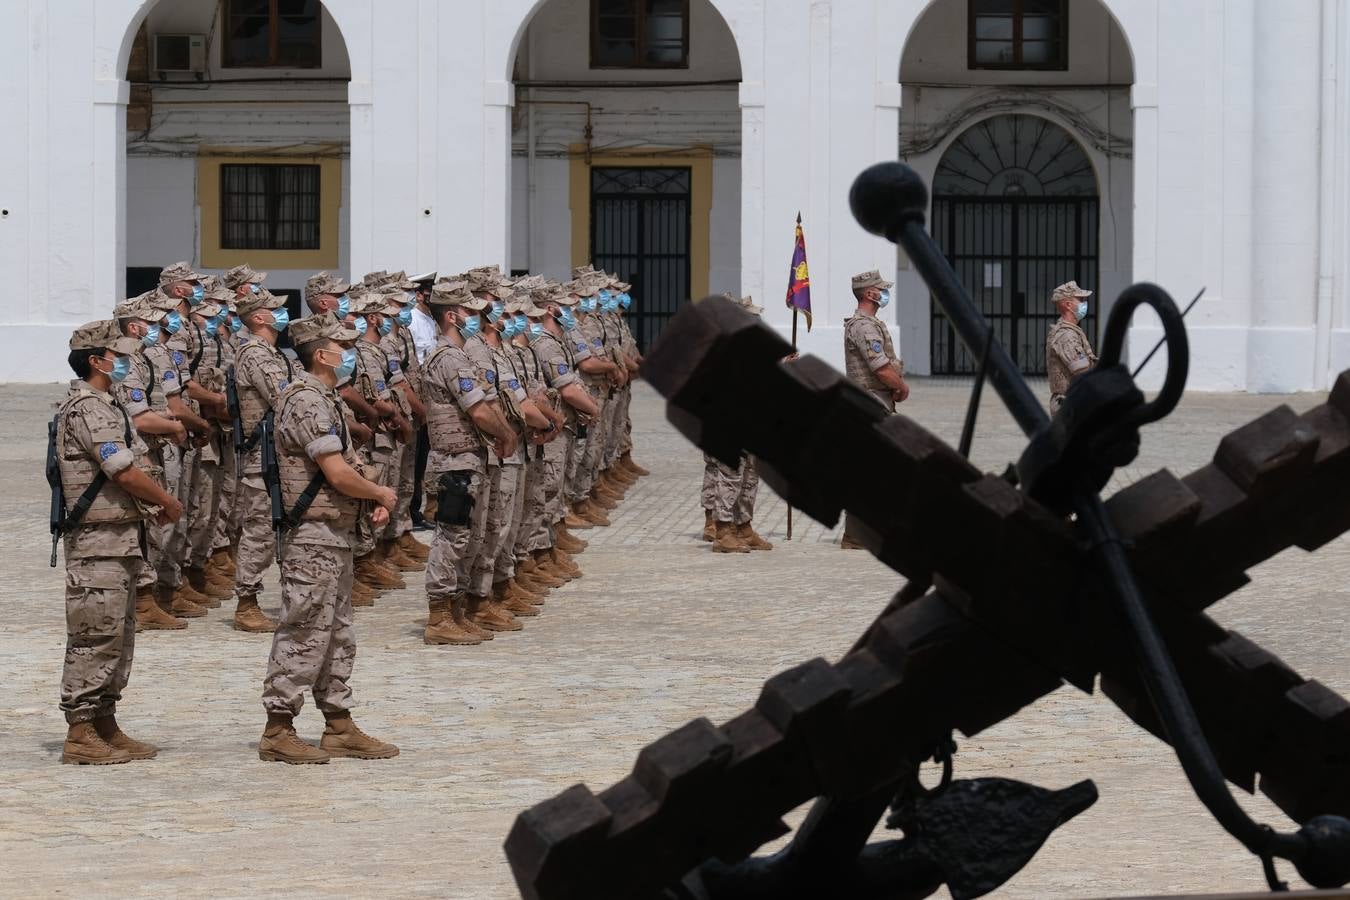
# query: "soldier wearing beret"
[[105, 549], [322, 489], [1068, 352]]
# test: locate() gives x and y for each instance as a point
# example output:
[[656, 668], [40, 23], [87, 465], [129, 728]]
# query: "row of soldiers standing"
[[521, 385]]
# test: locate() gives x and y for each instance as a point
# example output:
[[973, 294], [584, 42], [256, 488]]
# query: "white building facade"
[[1198, 143]]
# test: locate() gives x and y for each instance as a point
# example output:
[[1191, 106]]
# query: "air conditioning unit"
[[179, 53]]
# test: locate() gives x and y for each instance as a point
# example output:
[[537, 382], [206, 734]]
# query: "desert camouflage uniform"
[[559, 370], [1068, 354], [315, 644], [867, 348], [595, 333], [104, 555], [499, 481], [398, 345], [511, 505], [734, 491]]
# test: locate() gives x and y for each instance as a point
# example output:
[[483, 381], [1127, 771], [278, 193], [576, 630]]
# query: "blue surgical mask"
[[198, 295], [174, 322], [360, 326], [884, 300], [1081, 311], [625, 300], [151, 337], [236, 324], [386, 325], [522, 324], [472, 325], [281, 317], [611, 304], [495, 312], [412, 298], [588, 304], [121, 368], [212, 326], [253, 288], [536, 331], [509, 328], [568, 319], [344, 307], [345, 368], [604, 296], [405, 316]]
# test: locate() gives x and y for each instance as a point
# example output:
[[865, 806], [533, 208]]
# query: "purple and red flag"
[[799, 279]]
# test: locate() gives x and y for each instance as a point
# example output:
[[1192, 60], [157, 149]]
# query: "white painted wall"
[[1239, 114]]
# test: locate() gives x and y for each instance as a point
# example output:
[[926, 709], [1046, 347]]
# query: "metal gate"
[[640, 230], [1010, 252]]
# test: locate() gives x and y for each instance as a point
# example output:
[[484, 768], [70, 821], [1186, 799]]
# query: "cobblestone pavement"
[[658, 632]]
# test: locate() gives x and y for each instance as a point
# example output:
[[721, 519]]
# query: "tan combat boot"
[[726, 541], [280, 743], [363, 594], [196, 579], [448, 631], [413, 547], [222, 563], [373, 574], [543, 573], [524, 593], [182, 604], [568, 541], [709, 526], [437, 612], [746, 534], [341, 737], [151, 617], [462, 612], [574, 519], [491, 616], [565, 564], [602, 499], [84, 747], [106, 726], [633, 467], [593, 514], [504, 599], [248, 616], [531, 584], [846, 543], [394, 556]]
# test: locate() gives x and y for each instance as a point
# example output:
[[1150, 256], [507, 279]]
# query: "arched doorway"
[[1015, 210], [1020, 117], [626, 149], [238, 140]]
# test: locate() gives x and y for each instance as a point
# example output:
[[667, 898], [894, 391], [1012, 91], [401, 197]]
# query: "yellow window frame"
[[214, 256]]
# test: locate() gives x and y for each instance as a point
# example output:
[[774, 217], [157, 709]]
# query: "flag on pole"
[[799, 279]]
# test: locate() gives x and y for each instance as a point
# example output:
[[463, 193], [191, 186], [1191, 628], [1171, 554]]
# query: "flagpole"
[[794, 350]]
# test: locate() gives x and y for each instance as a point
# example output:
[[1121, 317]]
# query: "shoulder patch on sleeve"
[[137, 394], [596, 342], [169, 375], [876, 346], [514, 384], [177, 358], [393, 365], [107, 450], [562, 368], [466, 384], [379, 385], [281, 384], [581, 345], [491, 376]]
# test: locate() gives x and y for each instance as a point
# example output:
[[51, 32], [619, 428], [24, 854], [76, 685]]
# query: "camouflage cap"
[[554, 293], [456, 293], [582, 271], [394, 297], [208, 309], [527, 307], [220, 294], [324, 283], [581, 288], [264, 299], [241, 275], [367, 301], [139, 307], [323, 325], [1068, 291], [746, 303], [375, 279], [162, 300], [401, 281], [870, 279], [103, 333], [179, 271]]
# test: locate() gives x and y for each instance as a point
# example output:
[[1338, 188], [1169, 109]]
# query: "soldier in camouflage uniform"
[[602, 376], [1068, 352], [401, 297], [105, 551], [261, 373], [314, 645], [869, 358], [142, 395], [461, 420]]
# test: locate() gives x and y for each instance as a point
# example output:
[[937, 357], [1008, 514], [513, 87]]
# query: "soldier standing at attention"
[[314, 645], [869, 359], [105, 549], [261, 373], [1068, 353]]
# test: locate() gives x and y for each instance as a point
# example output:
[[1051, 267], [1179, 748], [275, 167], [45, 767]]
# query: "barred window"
[[639, 34], [269, 207], [1019, 34]]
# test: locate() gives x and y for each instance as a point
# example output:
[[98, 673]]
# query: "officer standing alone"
[[1068, 352]]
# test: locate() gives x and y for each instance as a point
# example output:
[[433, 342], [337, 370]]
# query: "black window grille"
[[1019, 34], [639, 34], [269, 207]]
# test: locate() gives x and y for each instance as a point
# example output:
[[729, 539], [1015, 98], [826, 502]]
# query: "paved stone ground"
[[658, 632]]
